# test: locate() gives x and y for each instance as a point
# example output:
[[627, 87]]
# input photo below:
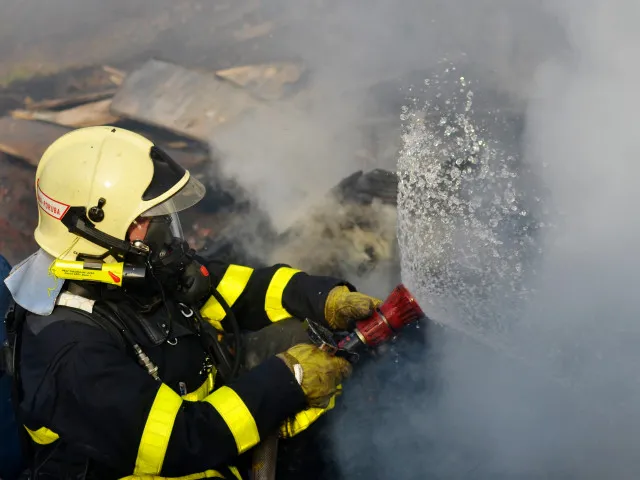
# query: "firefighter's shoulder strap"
[[13, 320]]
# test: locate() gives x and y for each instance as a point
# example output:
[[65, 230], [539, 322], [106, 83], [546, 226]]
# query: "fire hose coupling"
[[399, 310]]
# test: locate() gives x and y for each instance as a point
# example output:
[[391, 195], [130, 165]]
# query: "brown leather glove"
[[344, 307], [318, 373]]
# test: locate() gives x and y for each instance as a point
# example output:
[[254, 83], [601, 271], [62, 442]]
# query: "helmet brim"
[[191, 193]]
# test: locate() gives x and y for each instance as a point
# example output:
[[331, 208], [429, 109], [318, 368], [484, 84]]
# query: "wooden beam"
[[87, 115], [184, 101]]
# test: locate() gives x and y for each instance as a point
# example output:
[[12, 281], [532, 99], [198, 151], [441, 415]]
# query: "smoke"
[[358, 56], [581, 129]]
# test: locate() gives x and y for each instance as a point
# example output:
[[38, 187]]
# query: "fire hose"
[[399, 310]]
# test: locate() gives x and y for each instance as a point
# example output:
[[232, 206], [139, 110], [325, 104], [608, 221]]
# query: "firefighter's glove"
[[344, 307], [318, 373]]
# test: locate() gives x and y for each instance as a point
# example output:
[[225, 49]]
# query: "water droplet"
[[452, 219], [509, 196]]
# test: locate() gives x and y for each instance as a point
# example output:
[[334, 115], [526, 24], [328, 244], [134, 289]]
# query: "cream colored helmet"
[[93, 182]]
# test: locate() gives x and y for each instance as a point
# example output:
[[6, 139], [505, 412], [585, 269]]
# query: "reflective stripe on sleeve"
[[193, 476], [303, 420], [273, 300], [203, 390], [237, 416], [157, 432]]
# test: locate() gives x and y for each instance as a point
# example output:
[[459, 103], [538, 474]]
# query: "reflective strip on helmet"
[[231, 286], [202, 391], [273, 300], [42, 436], [157, 432], [237, 416]]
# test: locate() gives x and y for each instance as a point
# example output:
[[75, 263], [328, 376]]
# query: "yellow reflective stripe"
[[157, 431], [42, 436], [304, 419], [237, 416], [213, 312], [202, 391], [231, 286], [234, 282], [273, 300], [193, 476], [235, 472]]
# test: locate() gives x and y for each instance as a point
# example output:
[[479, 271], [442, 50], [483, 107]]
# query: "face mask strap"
[[77, 223]]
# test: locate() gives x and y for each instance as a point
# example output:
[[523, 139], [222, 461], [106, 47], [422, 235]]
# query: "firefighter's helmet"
[[93, 182]]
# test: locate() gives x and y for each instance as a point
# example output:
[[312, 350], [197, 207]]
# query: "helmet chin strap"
[[176, 226], [77, 223]]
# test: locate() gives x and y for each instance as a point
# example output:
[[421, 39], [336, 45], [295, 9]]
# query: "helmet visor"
[[192, 192]]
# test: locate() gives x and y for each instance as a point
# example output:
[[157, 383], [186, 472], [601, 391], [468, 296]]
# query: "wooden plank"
[[28, 139], [116, 76], [266, 81], [190, 103], [70, 100], [249, 32], [87, 115]]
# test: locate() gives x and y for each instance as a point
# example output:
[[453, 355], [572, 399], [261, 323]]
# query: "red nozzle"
[[399, 310]]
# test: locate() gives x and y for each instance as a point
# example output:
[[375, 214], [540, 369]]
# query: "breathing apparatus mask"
[[172, 262]]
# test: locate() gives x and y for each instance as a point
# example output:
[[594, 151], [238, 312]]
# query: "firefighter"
[[129, 346]]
